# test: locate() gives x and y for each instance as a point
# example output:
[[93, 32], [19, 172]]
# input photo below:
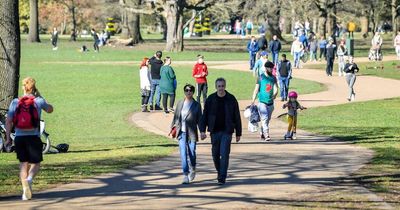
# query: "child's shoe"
[[287, 136], [294, 136]]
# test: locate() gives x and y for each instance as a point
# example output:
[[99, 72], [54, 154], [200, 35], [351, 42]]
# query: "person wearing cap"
[[200, 73], [284, 74], [266, 89], [259, 67], [156, 64], [252, 48], [275, 47], [330, 56]]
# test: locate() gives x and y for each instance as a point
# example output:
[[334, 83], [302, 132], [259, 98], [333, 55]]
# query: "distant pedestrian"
[[168, 85], [397, 45], [313, 48], [351, 27], [156, 64], [221, 117], [238, 27], [292, 105], [96, 40], [266, 89], [351, 69], [296, 51], [330, 56], [186, 121], [284, 74], [259, 67], [54, 38], [275, 47], [28, 145], [249, 26], [322, 47], [262, 43], [252, 48], [145, 83], [200, 73], [341, 52]]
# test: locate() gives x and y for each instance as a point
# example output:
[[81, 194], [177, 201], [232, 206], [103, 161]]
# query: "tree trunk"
[[9, 50], [124, 24], [73, 32], [191, 24], [394, 18], [364, 21], [172, 24], [134, 28], [33, 21], [274, 21], [322, 25], [315, 24]]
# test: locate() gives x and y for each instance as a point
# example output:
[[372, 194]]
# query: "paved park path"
[[276, 174]]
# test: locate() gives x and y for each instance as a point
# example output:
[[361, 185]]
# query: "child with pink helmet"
[[293, 105]]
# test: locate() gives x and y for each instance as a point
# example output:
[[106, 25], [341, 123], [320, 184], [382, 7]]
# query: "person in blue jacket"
[[252, 48]]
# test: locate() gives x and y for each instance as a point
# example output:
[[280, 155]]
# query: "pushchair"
[[375, 53]]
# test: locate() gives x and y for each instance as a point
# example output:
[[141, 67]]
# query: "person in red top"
[[200, 73]]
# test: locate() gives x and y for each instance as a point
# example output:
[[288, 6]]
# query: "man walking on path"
[[221, 117], [275, 47], [156, 64], [96, 40], [330, 56], [252, 48], [200, 73], [284, 75]]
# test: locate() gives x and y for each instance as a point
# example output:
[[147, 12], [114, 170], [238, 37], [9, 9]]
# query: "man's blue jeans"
[[275, 57], [187, 148], [284, 87], [297, 56], [252, 59], [221, 148], [155, 90]]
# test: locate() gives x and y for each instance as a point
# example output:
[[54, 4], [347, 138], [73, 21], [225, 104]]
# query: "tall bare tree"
[[9, 50], [33, 21], [131, 19]]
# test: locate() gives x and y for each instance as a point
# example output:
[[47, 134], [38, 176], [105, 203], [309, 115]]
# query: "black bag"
[[255, 115], [62, 148]]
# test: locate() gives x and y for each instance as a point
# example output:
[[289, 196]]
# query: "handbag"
[[172, 133]]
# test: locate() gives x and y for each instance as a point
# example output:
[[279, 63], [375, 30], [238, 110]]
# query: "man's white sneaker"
[[185, 180], [192, 175], [27, 190]]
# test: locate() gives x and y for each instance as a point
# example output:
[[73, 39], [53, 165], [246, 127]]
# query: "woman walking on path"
[[28, 145], [330, 56], [322, 47], [313, 48], [266, 89], [397, 45], [186, 121], [341, 52], [145, 83], [168, 85], [351, 69]]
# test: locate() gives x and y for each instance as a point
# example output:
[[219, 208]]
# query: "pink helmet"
[[292, 94]]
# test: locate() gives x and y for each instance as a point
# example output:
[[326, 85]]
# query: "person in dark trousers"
[[186, 120], [322, 47], [156, 64], [54, 38], [200, 73], [330, 56], [167, 85], [284, 74], [252, 48], [96, 40], [275, 47], [262, 43], [221, 117]]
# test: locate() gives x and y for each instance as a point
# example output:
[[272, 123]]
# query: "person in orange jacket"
[[200, 73]]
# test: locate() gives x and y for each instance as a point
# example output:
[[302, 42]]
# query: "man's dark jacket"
[[232, 115]]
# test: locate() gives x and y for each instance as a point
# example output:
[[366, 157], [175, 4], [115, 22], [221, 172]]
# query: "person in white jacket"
[[145, 78], [296, 51], [341, 52]]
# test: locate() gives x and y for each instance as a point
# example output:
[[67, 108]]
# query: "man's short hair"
[[159, 54], [220, 79], [283, 55]]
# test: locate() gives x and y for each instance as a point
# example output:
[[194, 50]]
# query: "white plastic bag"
[[252, 127]]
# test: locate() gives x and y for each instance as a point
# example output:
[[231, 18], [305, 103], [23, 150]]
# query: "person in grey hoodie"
[[313, 48]]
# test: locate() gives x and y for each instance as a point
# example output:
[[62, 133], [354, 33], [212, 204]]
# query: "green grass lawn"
[[92, 103], [386, 69], [375, 125]]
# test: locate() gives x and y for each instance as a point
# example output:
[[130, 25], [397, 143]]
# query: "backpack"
[[26, 114]]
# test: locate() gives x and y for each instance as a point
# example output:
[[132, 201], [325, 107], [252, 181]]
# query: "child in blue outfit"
[[293, 105]]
